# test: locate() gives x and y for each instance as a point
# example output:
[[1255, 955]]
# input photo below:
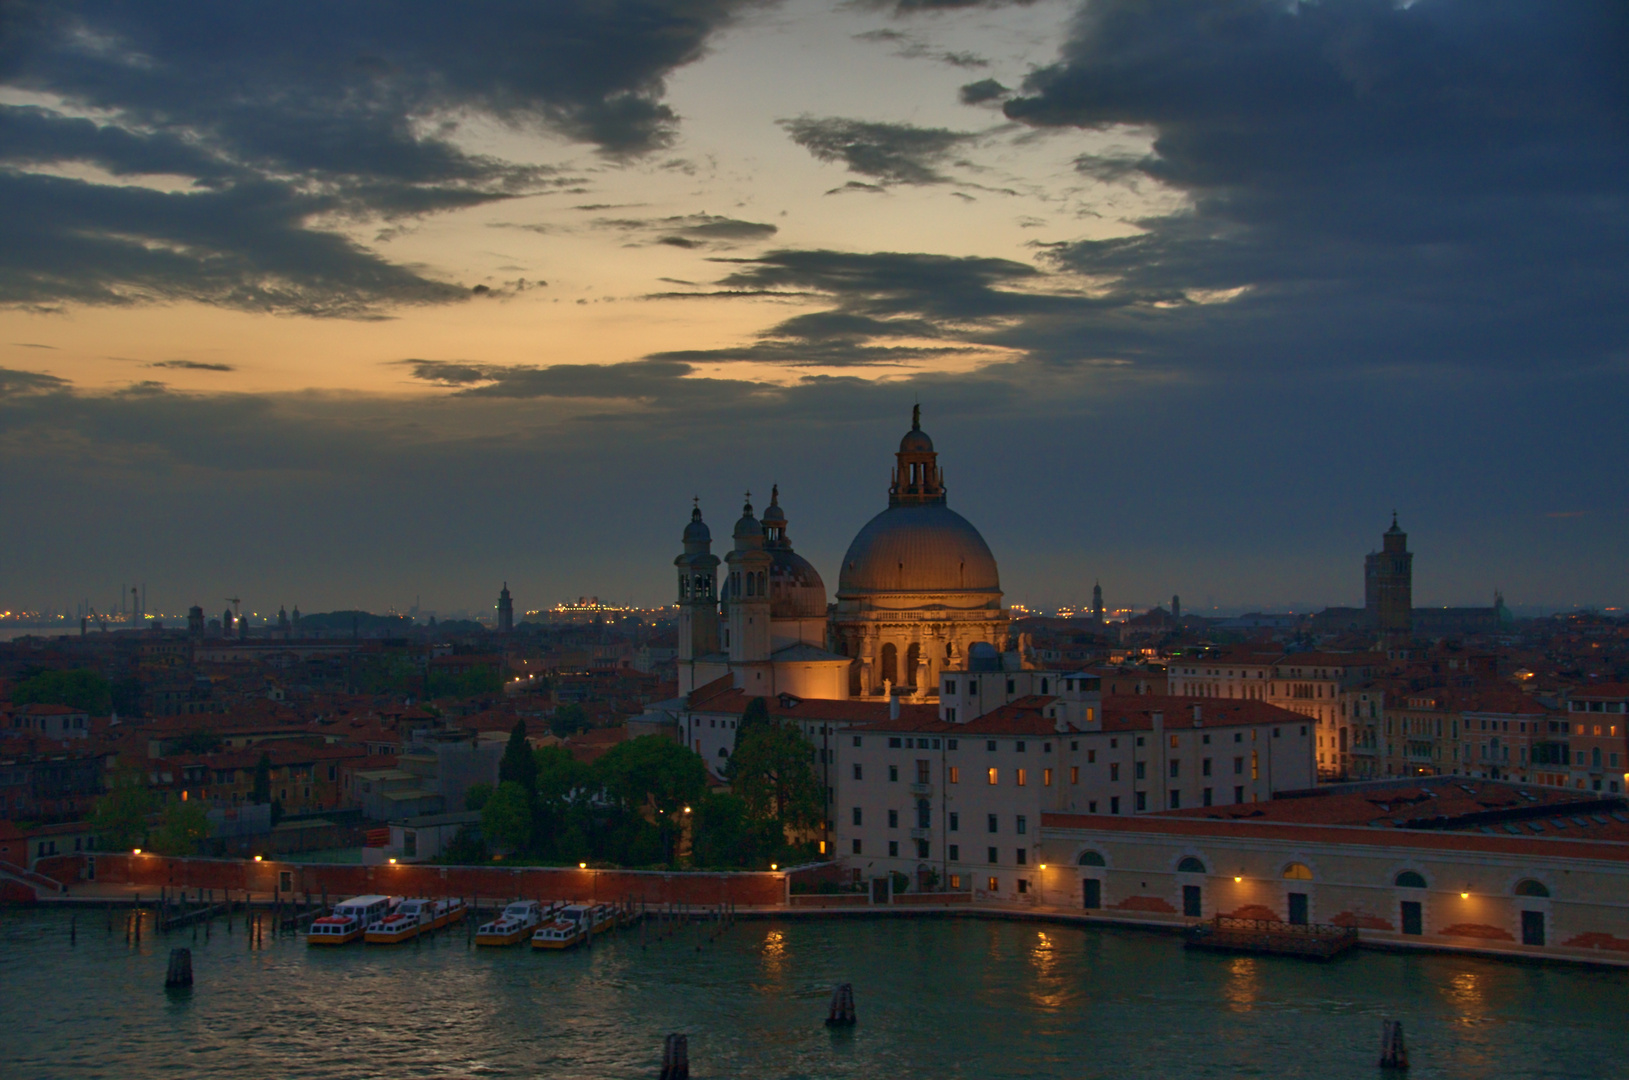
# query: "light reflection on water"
[[936, 998]]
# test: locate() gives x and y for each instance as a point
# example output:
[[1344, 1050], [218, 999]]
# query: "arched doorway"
[[890, 664]]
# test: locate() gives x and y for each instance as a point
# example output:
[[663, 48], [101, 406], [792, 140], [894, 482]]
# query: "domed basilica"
[[917, 588]]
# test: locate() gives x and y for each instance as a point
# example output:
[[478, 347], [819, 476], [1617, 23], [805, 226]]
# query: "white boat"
[[350, 919], [517, 922]]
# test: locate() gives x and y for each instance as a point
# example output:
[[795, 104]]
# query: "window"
[[1409, 879], [1091, 755], [1529, 887], [857, 816], [1023, 859], [1046, 777], [955, 775], [1255, 765], [856, 846], [1204, 767], [1141, 770], [1411, 917], [994, 858], [995, 885], [950, 686], [893, 819], [1238, 794], [921, 849], [950, 744], [955, 856], [1176, 768], [1114, 804], [856, 740], [1142, 800], [921, 771], [1190, 865], [1298, 872], [1091, 807], [1023, 776], [950, 715], [1205, 797], [1019, 746], [893, 744], [992, 823], [1114, 771], [893, 773], [1023, 825], [955, 822], [992, 776], [989, 744], [857, 772], [893, 848], [1176, 799]]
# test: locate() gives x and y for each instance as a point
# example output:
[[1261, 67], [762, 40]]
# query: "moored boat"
[[349, 920], [448, 912], [410, 919], [570, 927], [517, 922], [602, 917]]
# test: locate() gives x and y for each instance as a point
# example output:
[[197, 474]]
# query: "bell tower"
[[917, 481], [698, 597], [747, 601], [1388, 583]]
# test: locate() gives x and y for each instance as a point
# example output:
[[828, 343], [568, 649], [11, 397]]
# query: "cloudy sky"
[[340, 305]]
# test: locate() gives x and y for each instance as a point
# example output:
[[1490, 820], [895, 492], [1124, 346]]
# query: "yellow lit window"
[[992, 776], [1074, 774], [1091, 713], [955, 774], [1255, 765], [1046, 777], [955, 881], [994, 885], [1022, 777], [1173, 742]]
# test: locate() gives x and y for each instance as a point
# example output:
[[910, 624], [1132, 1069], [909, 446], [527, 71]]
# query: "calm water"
[[936, 998]]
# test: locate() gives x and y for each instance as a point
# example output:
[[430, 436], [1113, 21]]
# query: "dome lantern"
[[917, 480]]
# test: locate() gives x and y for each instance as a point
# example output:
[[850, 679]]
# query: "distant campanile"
[[506, 611], [1388, 583]]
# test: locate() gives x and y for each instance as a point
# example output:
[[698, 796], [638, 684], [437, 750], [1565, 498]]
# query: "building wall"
[[1470, 898]]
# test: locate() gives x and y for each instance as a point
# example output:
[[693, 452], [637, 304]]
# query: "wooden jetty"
[[1313, 941]]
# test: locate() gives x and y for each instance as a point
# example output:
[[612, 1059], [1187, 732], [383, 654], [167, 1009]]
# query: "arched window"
[[1408, 879], [1091, 858], [1298, 871], [1529, 887], [1190, 865], [912, 655], [890, 664]]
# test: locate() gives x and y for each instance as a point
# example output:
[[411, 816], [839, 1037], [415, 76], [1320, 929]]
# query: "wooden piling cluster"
[[841, 1012], [1393, 1054], [179, 974], [675, 1058]]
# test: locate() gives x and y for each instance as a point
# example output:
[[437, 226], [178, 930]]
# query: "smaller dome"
[[748, 525], [916, 441], [697, 532], [982, 656], [796, 590], [773, 514]]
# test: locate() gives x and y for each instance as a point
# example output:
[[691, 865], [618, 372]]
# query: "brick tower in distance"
[[1388, 584]]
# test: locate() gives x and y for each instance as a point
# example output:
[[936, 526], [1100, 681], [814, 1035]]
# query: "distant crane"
[[234, 601]]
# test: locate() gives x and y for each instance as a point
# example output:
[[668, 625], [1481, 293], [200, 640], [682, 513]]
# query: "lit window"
[[1046, 777], [992, 776], [1022, 776], [995, 885], [1074, 774], [955, 774]]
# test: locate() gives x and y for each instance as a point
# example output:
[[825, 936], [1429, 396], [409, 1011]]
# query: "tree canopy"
[[518, 765], [119, 819], [772, 770], [184, 826], [506, 820], [77, 689]]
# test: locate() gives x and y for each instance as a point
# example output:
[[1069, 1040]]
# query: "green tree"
[[725, 835], [568, 720], [77, 689], [561, 782], [755, 715], [518, 765], [183, 827], [261, 792], [476, 795], [772, 770], [653, 776], [120, 817], [506, 820], [466, 849]]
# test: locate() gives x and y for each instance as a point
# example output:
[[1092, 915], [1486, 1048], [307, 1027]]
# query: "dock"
[[1313, 941]]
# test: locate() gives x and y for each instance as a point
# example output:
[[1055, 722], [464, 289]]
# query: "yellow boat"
[[410, 919], [568, 929], [518, 921], [349, 920]]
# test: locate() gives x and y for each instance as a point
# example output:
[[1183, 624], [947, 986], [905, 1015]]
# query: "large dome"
[[918, 549]]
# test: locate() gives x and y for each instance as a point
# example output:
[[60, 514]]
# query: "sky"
[[366, 304]]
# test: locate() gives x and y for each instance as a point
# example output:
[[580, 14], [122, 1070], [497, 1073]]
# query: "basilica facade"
[[917, 589]]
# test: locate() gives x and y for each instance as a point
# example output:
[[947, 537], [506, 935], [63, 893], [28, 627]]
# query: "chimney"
[[893, 706]]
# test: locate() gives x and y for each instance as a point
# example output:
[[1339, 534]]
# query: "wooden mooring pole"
[[841, 1012], [675, 1058], [180, 972], [1393, 1054]]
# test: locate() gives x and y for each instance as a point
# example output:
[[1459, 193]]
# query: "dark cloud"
[[31, 345], [1380, 185], [982, 92], [691, 230], [912, 7], [192, 365], [14, 382], [892, 153], [912, 48], [282, 121]]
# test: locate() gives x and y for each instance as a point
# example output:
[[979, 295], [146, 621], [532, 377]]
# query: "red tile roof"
[[1135, 712]]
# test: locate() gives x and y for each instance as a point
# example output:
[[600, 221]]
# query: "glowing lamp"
[[1237, 879], [136, 851], [582, 866], [1464, 896], [257, 858], [392, 862], [774, 866], [1043, 866]]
